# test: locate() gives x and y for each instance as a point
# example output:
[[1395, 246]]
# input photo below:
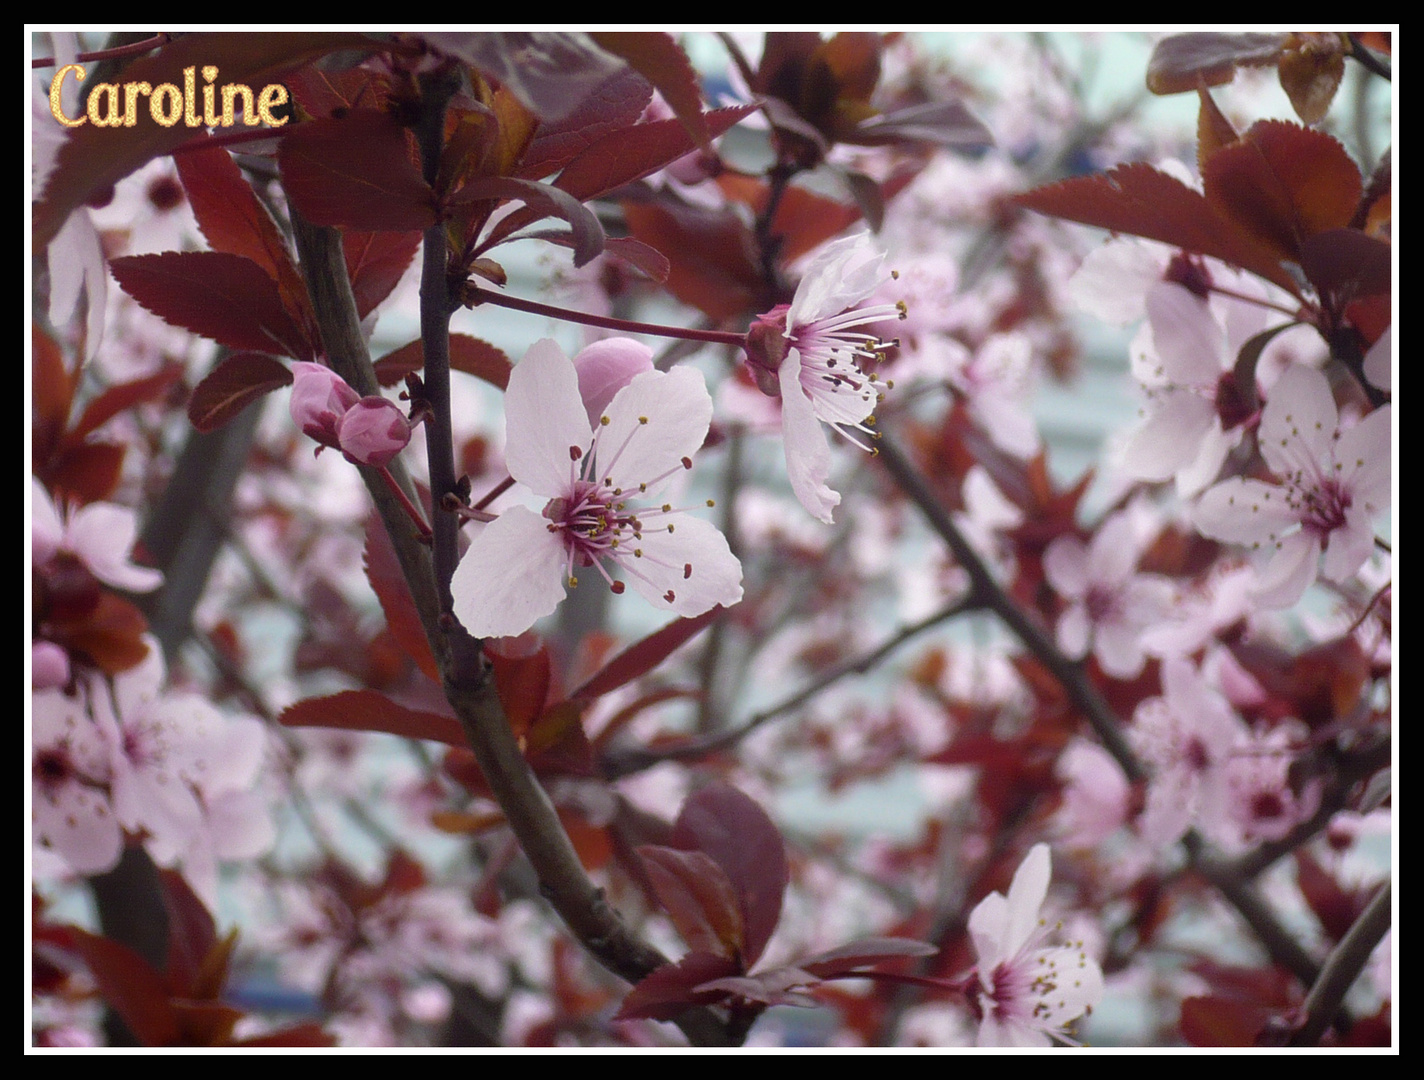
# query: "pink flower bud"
[[766, 348], [320, 398], [49, 665], [373, 431], [605, 367]]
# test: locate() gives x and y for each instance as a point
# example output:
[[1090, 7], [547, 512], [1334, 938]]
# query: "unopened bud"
[[373, 431]]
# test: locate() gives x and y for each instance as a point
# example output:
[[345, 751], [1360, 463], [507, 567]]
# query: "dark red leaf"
[[191, 936], [778, 986], [224, 297], [233, 221], [1345, 264], [111, 636], [117, 399], [232, 386], [369, 710], [1142, 201], [1181, 62], [668, 991], [356, 171], [542, 200], [522, 679], [638, 254], [711, 255], [1281, 183], [52, 395], [469, 354], [867, 952], [614, 106], [552, 73], [387, 580], [642, 656], [729, 826], [132, 988], [375, 263], [556, 743], [628, 155], [1221, 1021], [660, 60], [695, 892], [939, 123], [88, 472], [93, 158]]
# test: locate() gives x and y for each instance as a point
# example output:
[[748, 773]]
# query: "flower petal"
[[1243, 511], [693, 564], [654, 422], [1188, 339], [544, 419], [511, 576], [1298, 423], [808, 457], [1292, 570]]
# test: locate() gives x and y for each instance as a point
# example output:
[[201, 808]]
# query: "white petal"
[[715, 577], [841, 275], [988, 926], [1348, 546], [1188, 339], [1065, 564], [102, 534], [46, 530], [1299, 421], [1194, 478], [1109, 283], [1169, 439], [1112, 556], [544, 417], [678, 411], [1378, 367], [512, 575], [1118, 647], [1075, 631], [1363, 453], [808, 457], [1026, 896], [1292, 570], [1243, 511]]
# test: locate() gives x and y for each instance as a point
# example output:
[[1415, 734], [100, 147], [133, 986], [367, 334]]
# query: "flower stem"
[[608, 322], [134, 49], [404, 500]]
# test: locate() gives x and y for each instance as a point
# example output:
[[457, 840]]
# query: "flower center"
[[1323, 507]]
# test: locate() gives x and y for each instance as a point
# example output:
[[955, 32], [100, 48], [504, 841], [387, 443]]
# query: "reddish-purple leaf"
[[1281, 183], [695, 892], [642, 656], [132, 988], [232, 386], [660, 60], [469, 354], [88, 472], [1344, 264], [939, 123], [369, 710], [233, 221], [388, 582], [729, 826], [779, 986], [638, 254], [1183, 61], [552, 73], [867, 952], [668, 991], [615, 105], [713, 267], [191, 936], [1142, 201], [1223, 1021], [125, 396], [522, 679], [628, 155], [94, 158], [356, 171], [375, 263], [224, 297], [556, 743], [542, 200]]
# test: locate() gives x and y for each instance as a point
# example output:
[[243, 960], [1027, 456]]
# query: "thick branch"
[[1342, 967]]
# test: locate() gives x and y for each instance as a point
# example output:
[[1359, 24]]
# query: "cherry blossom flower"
[[73, 816], [516, 569], [1188, 737], [810, 354], [1332, 484], [1026, 994], [1197, 414], [99, 535], [369, 431], [1109, 606]]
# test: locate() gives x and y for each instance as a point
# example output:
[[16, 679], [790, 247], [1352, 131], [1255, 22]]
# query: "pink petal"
[[1026, 895], [808, 457], [511, 576], [1243, 511], [544, 420], [715, 577], [102, 534], [1292, 570], [605, 367], [1170, 438], [1299, 421], [1075, 631], [1189, 341], [1065, 564]]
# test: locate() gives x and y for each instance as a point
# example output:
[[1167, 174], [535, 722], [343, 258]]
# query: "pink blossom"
[[72, 813], [516, 569], [605, 367], [1331, 485], [100, 535], [810, 353], [1026, 994], [1096, 795], [369, 431], [1109, 605]]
